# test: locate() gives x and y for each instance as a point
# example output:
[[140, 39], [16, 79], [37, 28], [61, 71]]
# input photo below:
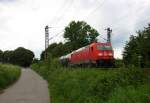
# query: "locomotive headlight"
[[100, 54], [110, 54]]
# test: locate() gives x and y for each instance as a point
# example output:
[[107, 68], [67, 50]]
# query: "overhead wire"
[[120, 19], [63, 13], [102, 38], [95, 9], [68, 5], [57, 34], [58, 11]]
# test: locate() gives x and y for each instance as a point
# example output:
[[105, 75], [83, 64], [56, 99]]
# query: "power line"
[[120, 19], [100, 5], [57, 34], [102, 38], [63, 5], [64, 11]]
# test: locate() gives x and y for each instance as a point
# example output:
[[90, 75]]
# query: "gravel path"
[[30, 88]]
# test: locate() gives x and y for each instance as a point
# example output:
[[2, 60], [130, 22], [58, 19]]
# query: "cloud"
[[23, 21], [124, 17], [7, 0]]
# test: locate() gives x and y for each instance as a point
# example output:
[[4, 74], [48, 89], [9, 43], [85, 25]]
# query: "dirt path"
[[30, 88]]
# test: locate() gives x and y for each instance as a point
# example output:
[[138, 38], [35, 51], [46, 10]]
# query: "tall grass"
[[8, 75], [78, 85], [141, 94]]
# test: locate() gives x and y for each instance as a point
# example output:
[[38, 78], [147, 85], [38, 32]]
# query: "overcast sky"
[[22, 22]]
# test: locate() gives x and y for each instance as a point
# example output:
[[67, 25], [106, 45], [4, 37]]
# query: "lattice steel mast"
[[109, 31], [46, 40]]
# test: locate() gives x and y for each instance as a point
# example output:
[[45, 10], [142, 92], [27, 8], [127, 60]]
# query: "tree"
[[7, 56], [1, 55], [22, 57], [137, 49], [56, 50], [49, 50], [80, 34], [42, 56], [35, 60]]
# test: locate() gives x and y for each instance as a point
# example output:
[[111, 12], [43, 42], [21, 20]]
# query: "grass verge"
[[8, 75]]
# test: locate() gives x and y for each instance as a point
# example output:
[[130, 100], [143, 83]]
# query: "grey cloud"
[[143, 19], [7, 0], [86, 4], [125, 17]]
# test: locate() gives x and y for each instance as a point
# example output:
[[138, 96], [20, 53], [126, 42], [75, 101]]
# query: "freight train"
[[96, 55]]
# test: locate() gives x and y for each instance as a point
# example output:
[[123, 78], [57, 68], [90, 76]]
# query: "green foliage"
[[137, 50], [35, 60], [80, 34], [8, 74], [7, 56], [20, 56], [130, 94], [1, 56], [56, 50], [119, 63], [68, 85]]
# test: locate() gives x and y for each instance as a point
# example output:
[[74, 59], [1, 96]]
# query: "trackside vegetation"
[[83, 85], [8, 75], [137, 49]]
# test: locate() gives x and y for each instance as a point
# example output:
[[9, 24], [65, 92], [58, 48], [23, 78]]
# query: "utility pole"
[[46, 40], [109, 31]]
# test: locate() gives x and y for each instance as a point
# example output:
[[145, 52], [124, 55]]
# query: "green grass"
[[78, 85], [141, 94], [8, 75]]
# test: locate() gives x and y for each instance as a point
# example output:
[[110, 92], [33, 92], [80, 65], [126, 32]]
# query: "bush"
[[119, 63], [8, 74]]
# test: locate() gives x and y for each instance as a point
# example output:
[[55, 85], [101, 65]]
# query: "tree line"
[[137, 49], [20, 56]]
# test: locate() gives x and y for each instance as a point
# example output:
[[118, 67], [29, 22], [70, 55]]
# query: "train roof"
[[65, 56], [80, 49], [95, 43], [99, 43]]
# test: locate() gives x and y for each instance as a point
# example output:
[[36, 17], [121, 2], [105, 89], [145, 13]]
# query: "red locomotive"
[[95, 54]]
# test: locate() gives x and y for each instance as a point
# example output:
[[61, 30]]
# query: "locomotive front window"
[[104, 47]]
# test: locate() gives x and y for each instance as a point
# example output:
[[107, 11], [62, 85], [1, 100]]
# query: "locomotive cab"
[[102, 54]]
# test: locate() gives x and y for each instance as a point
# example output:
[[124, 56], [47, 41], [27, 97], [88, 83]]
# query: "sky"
[[22, 22]]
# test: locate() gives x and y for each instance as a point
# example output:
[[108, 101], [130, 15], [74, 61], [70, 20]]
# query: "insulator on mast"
[[109, 31]]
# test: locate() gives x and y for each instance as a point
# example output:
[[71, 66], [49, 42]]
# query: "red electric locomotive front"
[[96, 54], [102, 54]]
